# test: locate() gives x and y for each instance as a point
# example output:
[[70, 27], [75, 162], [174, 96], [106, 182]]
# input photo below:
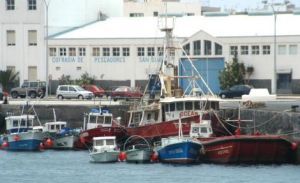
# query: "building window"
[[141, 51], [116, 51], [255, 50], [11, 37], [72, 52], [207, 47], [150, 51], [57, 68], [96, 52], [82, 52], [78, 68], [160, 51], [31, 4], [293, 49], [126, 52], [197, 47], [244, 50], [186, 49], [62, 52], [155, 14], [218, 49], [233, 50], [281, 49], [52, 52], [11, 68], [106, 52], [32, 37], [10, 4], [266, 50], [136, 14], [190, 14]]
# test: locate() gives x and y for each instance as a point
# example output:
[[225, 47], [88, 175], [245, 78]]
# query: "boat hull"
[[25, 141], [104, 157], [138, 155], [65, 142], [163, 129], [247, 149], [185, 152]]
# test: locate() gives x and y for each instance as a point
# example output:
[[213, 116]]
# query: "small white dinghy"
[[104, 150]]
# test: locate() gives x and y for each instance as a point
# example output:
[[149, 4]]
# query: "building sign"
[[67, 59], [150, 59], [109, 59]]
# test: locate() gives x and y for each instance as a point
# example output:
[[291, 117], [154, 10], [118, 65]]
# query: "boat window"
[[93, 119], [195, 129], [172, 107], [107, 120], [57, 127], [99, 143], [62, 126], [189, 106], [110, 142], [136, 118], [179, 106], [15, 123], [203, 130], [149, 116], [52, 127], [167, 107], [23, 122], [197, 105], [100, 120]]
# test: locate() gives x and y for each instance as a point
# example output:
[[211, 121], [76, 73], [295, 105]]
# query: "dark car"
[[32, 89], [125, 92], [97, 91], [235, 91]]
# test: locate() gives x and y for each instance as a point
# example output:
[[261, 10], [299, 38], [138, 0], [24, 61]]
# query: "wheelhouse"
[[17, 124], [55, 126]]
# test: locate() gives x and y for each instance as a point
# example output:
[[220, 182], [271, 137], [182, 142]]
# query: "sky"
[[240, 4]]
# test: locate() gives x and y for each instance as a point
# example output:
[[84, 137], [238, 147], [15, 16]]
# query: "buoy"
[[16, 137], [122, 156], [42, 147], [49, 143], [5, 144], [154, 157], [294, 146]]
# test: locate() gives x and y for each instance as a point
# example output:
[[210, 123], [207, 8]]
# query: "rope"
[[221, 122]]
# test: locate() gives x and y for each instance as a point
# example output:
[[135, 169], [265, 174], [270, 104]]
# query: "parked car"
[[72, 91], [235, 91], [125, 92], [32, 89], [97, 91]]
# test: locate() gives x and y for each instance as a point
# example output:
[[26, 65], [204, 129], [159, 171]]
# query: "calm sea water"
[[74, 166]]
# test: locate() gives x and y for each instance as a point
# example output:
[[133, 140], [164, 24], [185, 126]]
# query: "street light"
[[274, 80], [46, 3]]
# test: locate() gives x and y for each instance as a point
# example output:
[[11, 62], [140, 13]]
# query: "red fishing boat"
[[99, 123]]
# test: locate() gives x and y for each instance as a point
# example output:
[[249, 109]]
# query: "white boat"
[[63, 137], [104, 150], [137, 152]]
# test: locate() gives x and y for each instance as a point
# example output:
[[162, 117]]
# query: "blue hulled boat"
[[21, 135]]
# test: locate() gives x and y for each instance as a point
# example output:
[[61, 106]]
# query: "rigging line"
[[221, 122], [197, 72]]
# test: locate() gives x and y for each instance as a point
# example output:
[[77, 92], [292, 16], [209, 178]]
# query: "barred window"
[[10, 4], [52, 52], [160, 51], [244, 50], [141, 51], [126, 52], [62, 52], [266, 49], [150, 51], [82, 52], [31, 4], [96, 51], [116, 51], [72, 52], [255, 50], [233, 50], [106, 52]]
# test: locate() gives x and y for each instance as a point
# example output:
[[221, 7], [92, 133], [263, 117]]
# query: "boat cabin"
[[104, 143], [54, 127], [202, 129], [102, 118], [17, 124]]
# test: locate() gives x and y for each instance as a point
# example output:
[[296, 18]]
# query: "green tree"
[[86, 79], [8, 78], [65, 80], [233, 74]]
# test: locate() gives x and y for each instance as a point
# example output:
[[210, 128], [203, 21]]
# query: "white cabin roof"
[[187, 99], [30, 117], [217, 26], [56, 123], [104, 138]]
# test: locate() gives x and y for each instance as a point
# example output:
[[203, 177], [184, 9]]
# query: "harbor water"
[[75, 167]]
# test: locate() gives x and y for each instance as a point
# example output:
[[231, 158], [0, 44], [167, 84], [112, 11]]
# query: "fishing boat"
[[62, 136], [99, 123], [180, 149], [21, 134], [138, 150], [104, 150]]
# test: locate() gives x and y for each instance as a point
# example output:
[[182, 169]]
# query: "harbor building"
[[126, 50]]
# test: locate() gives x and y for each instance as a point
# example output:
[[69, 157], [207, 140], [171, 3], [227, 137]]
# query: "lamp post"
[[274, 80], [46, 3]]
